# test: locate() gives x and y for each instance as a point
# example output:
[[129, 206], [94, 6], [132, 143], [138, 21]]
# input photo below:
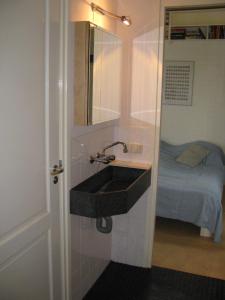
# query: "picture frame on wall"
[[178, 78]]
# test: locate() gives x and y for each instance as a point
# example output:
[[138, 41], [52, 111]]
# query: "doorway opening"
[[189, 233]]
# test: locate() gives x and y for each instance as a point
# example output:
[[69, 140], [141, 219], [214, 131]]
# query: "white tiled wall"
[[91, 250], [135, 134], [129, 235], [131, 232]]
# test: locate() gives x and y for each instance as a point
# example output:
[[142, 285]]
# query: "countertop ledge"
[[131, 164]]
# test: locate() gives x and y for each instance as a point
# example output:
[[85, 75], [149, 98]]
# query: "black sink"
[[112, 191]]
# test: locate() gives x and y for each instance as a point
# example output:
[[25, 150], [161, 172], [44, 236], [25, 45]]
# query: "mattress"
[[191, 194]]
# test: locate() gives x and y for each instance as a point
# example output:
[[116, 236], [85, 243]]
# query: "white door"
[[30, 248]]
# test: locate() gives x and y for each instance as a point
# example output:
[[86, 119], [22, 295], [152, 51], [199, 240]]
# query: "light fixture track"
[[124, 19]]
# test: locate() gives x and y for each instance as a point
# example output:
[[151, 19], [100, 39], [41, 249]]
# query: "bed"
[[192, 194]]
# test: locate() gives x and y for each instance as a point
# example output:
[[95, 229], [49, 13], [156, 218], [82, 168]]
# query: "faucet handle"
[[111, 157], [92, 159], [105, 159], [99, 155]]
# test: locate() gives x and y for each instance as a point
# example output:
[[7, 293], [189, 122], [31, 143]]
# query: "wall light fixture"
[[124, 19]]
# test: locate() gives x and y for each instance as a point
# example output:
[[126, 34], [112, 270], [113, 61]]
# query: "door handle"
[[57, 169]]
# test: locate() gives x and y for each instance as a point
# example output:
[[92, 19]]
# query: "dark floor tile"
[[123, 282]]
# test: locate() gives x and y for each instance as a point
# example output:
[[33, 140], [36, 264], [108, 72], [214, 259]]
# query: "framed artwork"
[[178, 80]]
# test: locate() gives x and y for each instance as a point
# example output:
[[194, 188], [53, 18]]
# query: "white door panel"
[[30, 57], [22, 236], [22, 76], [19, 278]]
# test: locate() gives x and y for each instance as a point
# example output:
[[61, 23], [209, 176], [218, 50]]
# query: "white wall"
[[90, 250], [205, 119], [196, 17], [131, 237]]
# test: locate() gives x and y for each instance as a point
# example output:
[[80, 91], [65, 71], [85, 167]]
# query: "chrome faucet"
[[106, 159], [125, 150]]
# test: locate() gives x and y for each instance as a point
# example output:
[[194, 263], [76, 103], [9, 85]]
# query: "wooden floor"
[[178, 246]]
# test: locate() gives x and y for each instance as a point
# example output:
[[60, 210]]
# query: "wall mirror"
[[97, 74]]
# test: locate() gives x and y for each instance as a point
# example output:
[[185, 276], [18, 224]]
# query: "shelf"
[[210, 28], [190, 32]]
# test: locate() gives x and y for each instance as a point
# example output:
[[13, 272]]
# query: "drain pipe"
[[104, 224]]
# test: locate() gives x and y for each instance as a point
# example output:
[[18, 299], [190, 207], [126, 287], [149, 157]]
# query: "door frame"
[[165, 4], [64, 186]]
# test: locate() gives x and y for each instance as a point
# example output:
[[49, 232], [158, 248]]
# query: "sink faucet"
[[106, 159], [125, 150]]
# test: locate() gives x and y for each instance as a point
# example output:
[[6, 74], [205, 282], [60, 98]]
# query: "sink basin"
[[112, 191]]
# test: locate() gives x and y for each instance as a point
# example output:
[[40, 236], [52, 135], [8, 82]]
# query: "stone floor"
[[123, 282]]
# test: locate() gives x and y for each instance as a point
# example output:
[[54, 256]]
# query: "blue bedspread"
[[191, 194]]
